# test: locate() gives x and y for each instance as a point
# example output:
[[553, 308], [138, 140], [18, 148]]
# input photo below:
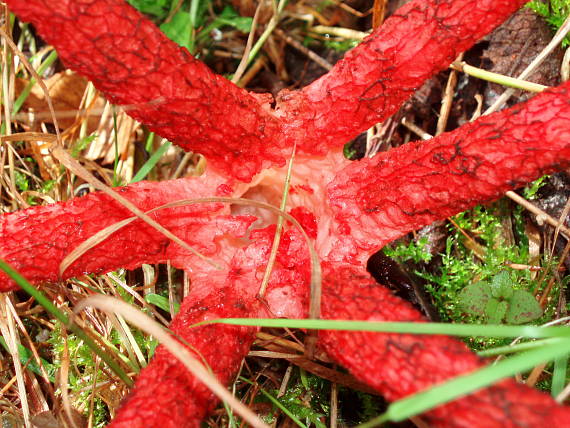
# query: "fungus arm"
[[396, 192], [166, 395], [375, 78], [397, 365], [35, 241], [160, 84]]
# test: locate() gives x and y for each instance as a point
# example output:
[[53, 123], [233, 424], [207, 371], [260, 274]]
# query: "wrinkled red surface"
[[421, 182], [165, 393], [366, 204], [35, 241], [375, 78], [397, 365], [137, 66], [186, 401]]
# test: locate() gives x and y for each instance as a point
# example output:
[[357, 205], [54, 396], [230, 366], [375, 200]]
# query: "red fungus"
[[45, 235], [413, 185], [375, 78], [475, 163], [121, 52], [222, 348]]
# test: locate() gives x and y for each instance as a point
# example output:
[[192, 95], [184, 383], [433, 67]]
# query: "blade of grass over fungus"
[[74, 166], [105, 233], [418, 403], [65, 320], [278, 229], [461, 330]]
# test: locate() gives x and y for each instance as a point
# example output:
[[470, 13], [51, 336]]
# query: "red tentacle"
[[412, 186], [375, 78], [166, 394], [397, 365], [35, 241]]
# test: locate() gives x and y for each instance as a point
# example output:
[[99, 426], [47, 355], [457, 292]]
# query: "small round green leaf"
[[502, 285], [474, 298], [523, 307], [495, 311]]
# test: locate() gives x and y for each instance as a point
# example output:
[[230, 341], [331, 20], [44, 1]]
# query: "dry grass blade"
[[245, 58], [345, 33], [334, 405], [8, 330], [565, 67], [74, 166], [279, 229], [378, 13], [136, 317], [447, 100], [273, 22], [28, 136], [33, 348], [304, 50], [7, 99], [63, 384], [560, 398], [90, 243], [541, 215]]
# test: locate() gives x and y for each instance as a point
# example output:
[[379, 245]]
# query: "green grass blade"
[[511, 349], [64, 319], [277, 403], [162, 302], [151, 162], [149, 141], [194, 6], [462, 330], [559, 375], [462, 385], [28, 361]]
